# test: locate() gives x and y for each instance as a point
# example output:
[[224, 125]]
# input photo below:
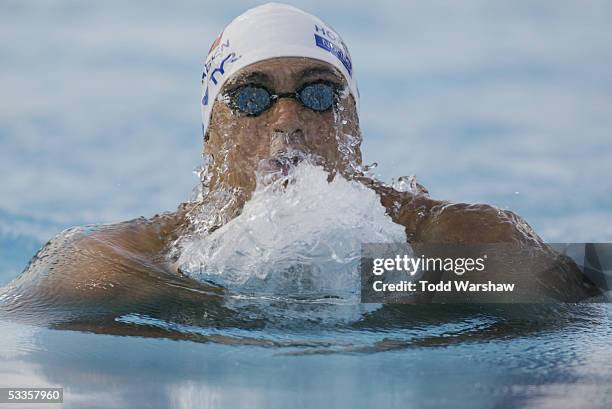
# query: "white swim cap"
[[268, 31]]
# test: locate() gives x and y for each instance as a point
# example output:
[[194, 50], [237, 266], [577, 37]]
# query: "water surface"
[[485, 101]]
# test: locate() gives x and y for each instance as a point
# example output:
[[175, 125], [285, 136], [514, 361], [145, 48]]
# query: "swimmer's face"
[[286, 133]]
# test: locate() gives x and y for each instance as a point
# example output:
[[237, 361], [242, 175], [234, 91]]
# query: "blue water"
[[485, 101], [442, 358]]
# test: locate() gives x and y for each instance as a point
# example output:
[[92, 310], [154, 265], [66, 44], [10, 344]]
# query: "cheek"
[[250, 140], [321, 133], [319, 128]]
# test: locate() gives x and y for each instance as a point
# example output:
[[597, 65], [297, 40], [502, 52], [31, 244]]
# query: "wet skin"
[[118, 268]]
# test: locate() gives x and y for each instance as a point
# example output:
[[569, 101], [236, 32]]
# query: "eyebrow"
[[319, 71], [251, 77], [262, 78]]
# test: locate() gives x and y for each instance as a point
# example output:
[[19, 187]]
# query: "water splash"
[[406, 184], [290, 249], [300, 235]]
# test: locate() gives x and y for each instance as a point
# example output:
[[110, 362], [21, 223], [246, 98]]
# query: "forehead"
[[287, 71]]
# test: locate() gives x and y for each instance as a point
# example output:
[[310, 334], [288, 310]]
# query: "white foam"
[[300, 240]]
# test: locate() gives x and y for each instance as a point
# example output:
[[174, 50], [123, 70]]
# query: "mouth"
[[282, 163], [279, 168]]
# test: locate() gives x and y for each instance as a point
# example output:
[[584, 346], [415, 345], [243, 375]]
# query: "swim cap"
[[268, 31]]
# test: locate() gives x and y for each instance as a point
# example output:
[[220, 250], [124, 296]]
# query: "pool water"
[[278, 352], [101, 123], [425, 357]]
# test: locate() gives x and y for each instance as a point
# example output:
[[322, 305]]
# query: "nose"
[[287, 127]]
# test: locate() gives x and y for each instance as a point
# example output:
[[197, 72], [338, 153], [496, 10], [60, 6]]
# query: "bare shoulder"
[[99, 262], [147, 237], [473, 223], [441, 222]]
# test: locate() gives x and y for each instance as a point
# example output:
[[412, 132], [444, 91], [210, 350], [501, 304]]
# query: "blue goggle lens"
[[318, 97], [253, 100]]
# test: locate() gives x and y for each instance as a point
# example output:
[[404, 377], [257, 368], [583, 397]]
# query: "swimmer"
[[278, 89]]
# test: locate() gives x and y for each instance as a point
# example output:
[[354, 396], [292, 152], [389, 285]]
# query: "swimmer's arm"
[[440, 222], [558, 277], [433, 221], [110, 269]]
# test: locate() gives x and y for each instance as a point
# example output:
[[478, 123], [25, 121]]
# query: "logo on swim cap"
[[215, 66], [215, 43], [325, 40]]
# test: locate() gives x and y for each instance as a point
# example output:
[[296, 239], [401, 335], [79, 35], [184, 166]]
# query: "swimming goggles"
[[253, 100]]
